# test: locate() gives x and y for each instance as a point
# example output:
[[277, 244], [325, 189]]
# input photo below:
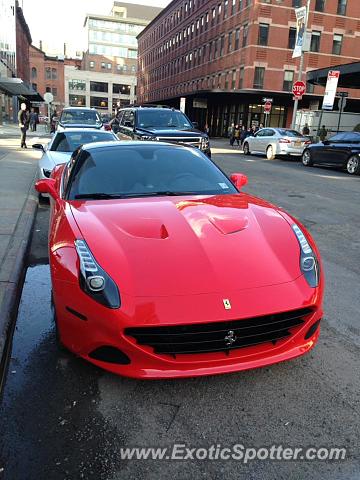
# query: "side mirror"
[[195, 124], [38, 146], [326, 142], [239, 180], [47, 186]]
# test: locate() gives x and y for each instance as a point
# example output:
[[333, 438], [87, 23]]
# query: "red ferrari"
[[160, 267]]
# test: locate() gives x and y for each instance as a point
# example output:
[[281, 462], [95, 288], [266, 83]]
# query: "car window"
[[119, 117], [162, 118], [146, 169], [352, 137], [260, 133], [287, 132], [128, 119], [268, 132], [337, 138], [70, 141], [83, 117]]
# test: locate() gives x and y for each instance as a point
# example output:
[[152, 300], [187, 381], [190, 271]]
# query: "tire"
[[246, 149], [270, 155], [306, 159], [353, 165]]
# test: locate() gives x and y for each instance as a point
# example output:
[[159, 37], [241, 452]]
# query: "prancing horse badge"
[[227, 304]]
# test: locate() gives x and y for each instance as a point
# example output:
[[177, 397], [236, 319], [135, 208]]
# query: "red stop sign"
[[299, 88], [267, 106]]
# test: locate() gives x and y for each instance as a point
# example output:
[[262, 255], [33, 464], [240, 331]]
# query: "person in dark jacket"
[[243, 134], [236, 135], [23, 118]]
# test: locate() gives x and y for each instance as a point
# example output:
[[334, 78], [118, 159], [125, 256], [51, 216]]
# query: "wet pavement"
[[61, 418]]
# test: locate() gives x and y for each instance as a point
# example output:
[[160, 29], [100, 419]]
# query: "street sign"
[[330, 89], [267, 107], [48, 97], [299, 88]]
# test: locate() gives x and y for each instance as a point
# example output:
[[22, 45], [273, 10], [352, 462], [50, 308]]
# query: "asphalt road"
[[61, 418]]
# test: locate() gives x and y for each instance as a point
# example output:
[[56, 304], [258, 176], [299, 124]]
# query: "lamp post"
[[301, 66]]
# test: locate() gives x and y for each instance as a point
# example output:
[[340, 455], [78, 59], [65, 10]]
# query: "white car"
[[276, 141], [63, 144]]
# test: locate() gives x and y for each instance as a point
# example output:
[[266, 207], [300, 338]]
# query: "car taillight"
[[284, 140], [307, 142]]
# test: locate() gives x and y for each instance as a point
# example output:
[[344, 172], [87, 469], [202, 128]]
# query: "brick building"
[[47, 75], [23, 42], [225, 56]]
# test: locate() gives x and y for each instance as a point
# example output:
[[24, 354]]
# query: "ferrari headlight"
[[309, 264], [94, 281]]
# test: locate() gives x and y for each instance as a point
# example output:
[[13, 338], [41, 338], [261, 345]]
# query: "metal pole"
[[301, 66], [340, 113]]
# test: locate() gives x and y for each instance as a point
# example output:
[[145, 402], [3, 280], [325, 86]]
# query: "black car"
[[159, 123], [341, 150]]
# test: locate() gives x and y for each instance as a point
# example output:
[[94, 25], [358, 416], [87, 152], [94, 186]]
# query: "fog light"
[[96, 283]]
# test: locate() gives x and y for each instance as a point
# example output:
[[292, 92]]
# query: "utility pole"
[[301, 66]]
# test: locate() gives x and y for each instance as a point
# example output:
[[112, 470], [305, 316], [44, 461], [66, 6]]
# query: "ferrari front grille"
[[219, 336]]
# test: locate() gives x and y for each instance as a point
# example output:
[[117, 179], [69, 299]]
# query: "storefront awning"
[[349, 75], [15, 86]]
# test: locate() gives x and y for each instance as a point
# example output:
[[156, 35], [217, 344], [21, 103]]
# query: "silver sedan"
[[276, 141]]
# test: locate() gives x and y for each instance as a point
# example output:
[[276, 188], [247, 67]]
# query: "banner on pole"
[[300, 14], [330, 89]]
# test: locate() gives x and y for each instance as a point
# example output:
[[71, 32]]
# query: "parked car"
[[162, 268], [161, 124], [276, 142], [62, 145], [341, 150], [79, 117]]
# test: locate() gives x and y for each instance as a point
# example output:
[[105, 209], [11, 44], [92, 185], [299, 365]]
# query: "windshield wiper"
[[98, 195], [105, 196]]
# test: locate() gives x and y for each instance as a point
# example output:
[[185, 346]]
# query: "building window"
[[263, 34], [34, 86], [48, 73], [337, 43], [103, 65], [99, 102], [54, 92], [230, 42], [297, 3], [237, 39], [226, 6], [319, 5], [245, 34], [259, 77], [292, 38], [315, 41], [310, 87], [233, 7], [33, 73], [99, 87], [227, 81], [341, 8], [77, 85], [54, 73], [222, 42], [121, 89], [91, 64], [108, 66], [77, 100], [288, 80], [241, 77], [48, 89], [233, 80]]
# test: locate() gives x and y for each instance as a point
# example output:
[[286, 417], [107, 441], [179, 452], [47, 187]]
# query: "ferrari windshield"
[[80, 117], [145, 170], [70, 141], [162, 118]]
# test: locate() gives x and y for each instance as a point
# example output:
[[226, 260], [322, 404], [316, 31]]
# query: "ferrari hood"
[[181, 246]]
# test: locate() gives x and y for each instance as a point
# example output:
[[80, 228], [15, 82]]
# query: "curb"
[[15, 259]]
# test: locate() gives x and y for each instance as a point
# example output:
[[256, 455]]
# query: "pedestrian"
[[207, 129], [254, 129], [306, 130], [249, 132], [243, 134], [322, 133], [261, 126], [23, 119], [53, 121], [237, 134], [33, 120], [231, 134]]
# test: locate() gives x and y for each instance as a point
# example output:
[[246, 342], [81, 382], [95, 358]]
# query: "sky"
[[58, 21]]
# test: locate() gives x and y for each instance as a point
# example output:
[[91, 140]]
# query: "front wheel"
[[306, 159], [353, 165], [270, 155], [246, 149]]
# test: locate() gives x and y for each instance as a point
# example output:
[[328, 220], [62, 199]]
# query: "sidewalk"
[[18, 205], [12, 130]]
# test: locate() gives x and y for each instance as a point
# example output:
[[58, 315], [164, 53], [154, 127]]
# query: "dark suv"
[[159, 123]]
